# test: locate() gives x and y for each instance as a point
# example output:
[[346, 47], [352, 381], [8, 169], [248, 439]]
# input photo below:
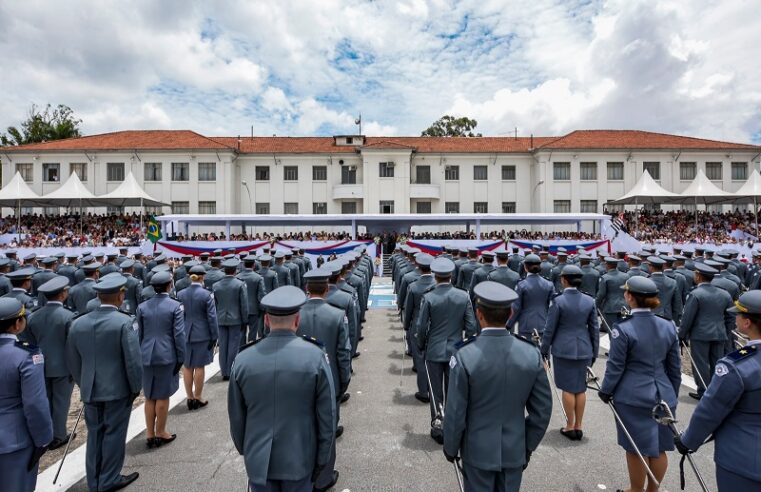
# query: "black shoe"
[[345, 397], [569, 434], [225, 378], [160, 441], [339, 431], [151, 443], [437, 436], [59, 443], [191, 404], [330, 485], [124, 480], [696, 396], [356, 354], [424, 397], [361, 338], [414, 369], [579, 434], [201, 404]]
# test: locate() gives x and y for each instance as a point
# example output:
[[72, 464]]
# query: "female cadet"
[[573, 336], [161, 328], [731, 407], [643, 369], [201, 332], [26, 428]]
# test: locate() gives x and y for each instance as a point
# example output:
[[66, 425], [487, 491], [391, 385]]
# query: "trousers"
[[229, 344], [478, 480], [59, 395], [107, 424], [705, 355]]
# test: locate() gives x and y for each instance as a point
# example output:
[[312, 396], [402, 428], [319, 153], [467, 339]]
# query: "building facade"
[[578, 172]]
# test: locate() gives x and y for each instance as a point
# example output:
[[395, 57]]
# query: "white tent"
[[702, 190], [646, 190], [17, 192], [73, 193], [131, 194], [751, 191]]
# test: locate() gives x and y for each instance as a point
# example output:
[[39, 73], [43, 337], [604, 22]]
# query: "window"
[[320, 173], [653, 168], [615, 171], [349, 140], [423, 174], [588, 207], [348, 207], [349, 175], [152, 171], [180, 207], [480, 173], [26, 171], [207, 208], [110, 210], [452, 207], [207, 171], [588, 171], [508, 207], [561, 171], [180, 171], [713, 171], [562, 206], [115, 171], [423, 207], [51, 172], [508, 173], [262, 173], [386, 169], [80, 168], [739, 171], [291, 173], [481, 207], [291, 208], [452, 173], [387, 206], [262, 208], [687, 171], [319, 208]]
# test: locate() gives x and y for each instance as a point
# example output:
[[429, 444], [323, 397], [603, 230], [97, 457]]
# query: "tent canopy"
[[702, 190], [751, 189], [645, 191], [130, 194], [72, 193], [18, 192]]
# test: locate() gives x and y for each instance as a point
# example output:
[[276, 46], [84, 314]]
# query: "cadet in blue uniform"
[[503, 273], [730, 409], [103, 355], [231, 298], [201, 333], [48, 328], [643, 369], [281, 402], [161, 329], [534, 296], [706, 324], [499, 401], [573, 334], [446, 313], [25, 425]]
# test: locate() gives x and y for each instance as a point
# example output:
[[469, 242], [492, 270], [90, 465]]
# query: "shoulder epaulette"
[[37, 308], [77, 315], [524, 339], [463, 343], [27, 346], [662, 317], [125, 312], [251, 344], [313, 340], [743, 353]]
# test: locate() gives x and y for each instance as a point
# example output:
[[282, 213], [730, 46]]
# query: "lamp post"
[[250, 203]]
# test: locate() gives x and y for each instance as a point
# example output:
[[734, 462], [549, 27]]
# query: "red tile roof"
[[189, 140]]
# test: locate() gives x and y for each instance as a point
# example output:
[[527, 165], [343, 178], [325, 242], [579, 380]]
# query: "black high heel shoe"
[[191, 404], [569, 434], [151, 443], [200, 403], [160, 441]]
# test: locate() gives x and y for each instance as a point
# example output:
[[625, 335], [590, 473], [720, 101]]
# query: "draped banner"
[[323, 249], [195, 248], [570, 246], [436, 247]]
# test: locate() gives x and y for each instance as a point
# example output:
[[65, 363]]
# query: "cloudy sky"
[[310, 67]]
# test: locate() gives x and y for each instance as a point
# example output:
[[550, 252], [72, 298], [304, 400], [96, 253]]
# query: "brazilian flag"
[[154, 231]]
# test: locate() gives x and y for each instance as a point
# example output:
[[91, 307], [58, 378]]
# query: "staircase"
[[386, 264]]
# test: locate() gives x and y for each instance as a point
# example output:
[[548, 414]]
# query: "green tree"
[[450, 126], [42, 126]]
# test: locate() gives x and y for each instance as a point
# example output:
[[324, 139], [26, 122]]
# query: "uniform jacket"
[[407, 279], [132, 295], [726, 284], [80, 294], [530, 309], [572, 328], [283, 275], [705, 315], [505, 276], [348, 303], [479, 275], [213, 275], [231, 297], [48, 327], [466, 274], [200, 314], [295, 273], [270, 279], [610, 296], [330, 326], [415, 298], [254, 289], [590, 279], [668, 293], [445, 313], [161, 329]]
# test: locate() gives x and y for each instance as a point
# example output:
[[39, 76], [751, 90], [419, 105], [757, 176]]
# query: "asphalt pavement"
[[386, 446]]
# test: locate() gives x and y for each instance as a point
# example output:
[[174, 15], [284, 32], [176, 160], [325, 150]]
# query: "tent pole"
[[755, 215], [80, 217], [142, 209], [696, 217], [18, 225]]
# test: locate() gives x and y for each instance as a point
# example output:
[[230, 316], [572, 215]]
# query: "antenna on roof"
[[238, 143], [358, 122], [516, 133], [252, 132], [531, 142]]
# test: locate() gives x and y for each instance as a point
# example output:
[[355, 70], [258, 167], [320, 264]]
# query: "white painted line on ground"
[[74, 468]]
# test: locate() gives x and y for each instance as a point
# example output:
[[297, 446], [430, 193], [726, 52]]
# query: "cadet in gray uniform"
[[161, 329], [343, 296], [706, 324], [25, 425], [590, 277], [103, 355], [445, 314], [411, 313], [42, 276], [256, 290], [610, 297], [481, 273], [499, 402], [48, 328], [328, 325], [670, 306], [282, 382], [134, 286], [465, 274], [283, 273], [504, 274], [213, 274], [231, 298], [5, 284], [69, 269], [406, 280], [534, 296], [293, 268], [81, 293], [731, 407], [269, 276]]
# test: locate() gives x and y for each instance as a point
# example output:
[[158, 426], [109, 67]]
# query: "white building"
[[578, 172]]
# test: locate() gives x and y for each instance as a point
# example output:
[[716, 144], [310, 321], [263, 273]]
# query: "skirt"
[[197, 354], [571, 375], [651, 438], [160, 382]]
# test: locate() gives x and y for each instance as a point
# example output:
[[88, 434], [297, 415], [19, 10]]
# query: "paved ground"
[[386, 446]]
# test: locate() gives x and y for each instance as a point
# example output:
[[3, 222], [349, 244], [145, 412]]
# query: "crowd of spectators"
[[712, 227], [66, 231]]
